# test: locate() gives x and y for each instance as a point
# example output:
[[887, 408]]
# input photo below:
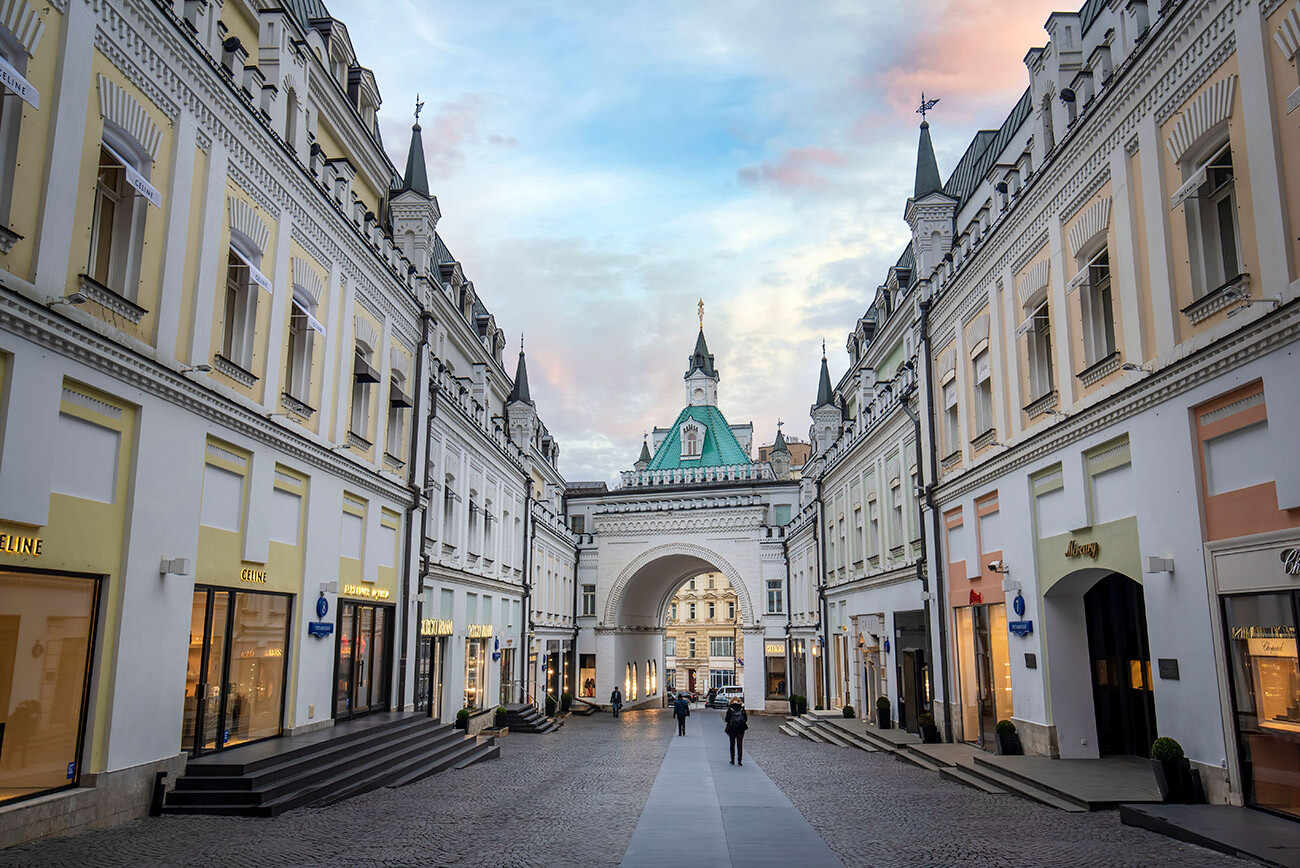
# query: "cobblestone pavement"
[[573, 798]]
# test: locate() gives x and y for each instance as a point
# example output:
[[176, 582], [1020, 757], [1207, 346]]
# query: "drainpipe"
[[417, 492], [823, 615], [526, 622], [573, 651], [789, 622], [924, 306]]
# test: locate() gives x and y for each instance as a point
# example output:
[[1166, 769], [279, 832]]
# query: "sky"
[[602, 166]]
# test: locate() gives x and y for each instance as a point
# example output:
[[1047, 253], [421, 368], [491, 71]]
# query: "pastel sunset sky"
[[601, 166]]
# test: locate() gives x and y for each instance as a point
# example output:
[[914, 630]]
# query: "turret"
[[780, 455], [826, 417], [521, 414], [414, 210], [930, 212], [644, 461], [701, 373]]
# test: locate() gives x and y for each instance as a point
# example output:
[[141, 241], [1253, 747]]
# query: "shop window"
[[588, 599], [476, 657], [670, 679], [47, 626], [775, 597], [1213, 234], [774, 679], [983, 389]]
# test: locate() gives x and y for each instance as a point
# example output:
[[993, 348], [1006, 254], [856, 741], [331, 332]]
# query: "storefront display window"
[[776, 677], [362, 667], [475, 672], [1261, 631], [46, 636], [983, 670]]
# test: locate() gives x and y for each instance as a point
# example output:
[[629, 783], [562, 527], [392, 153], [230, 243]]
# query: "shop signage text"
[[1074, 550], [15, 544], [976, 598], [1281, 631], [366, 591], [775, 648], [319, 629], [14, 80], [479, 631], [436, 627], [1291, 562], [1021, 628], [248, 574], [1271, 648]]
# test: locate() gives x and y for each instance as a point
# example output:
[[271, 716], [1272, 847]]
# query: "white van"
[[725, 695]]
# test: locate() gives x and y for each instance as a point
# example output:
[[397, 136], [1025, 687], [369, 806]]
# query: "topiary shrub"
[[1166, 749], [462, 719], [882, 703], [848, 711], [1006, 727], [925, 721]]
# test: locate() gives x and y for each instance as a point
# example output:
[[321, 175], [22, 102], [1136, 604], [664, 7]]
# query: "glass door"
[[344, 664], [361, 670], [363, 643]]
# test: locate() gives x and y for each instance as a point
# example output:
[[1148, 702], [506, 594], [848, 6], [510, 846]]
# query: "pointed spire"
[[416, 177], [645, 450], [701, 359], [927, 168], [825, 394], [519, 392], [780, 445]]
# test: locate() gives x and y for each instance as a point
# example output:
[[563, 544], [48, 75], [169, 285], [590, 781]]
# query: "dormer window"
[[692, 434]]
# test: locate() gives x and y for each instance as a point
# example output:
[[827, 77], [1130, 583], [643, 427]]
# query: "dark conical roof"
[[825, 394], [701, 359], [519, 392], [780, 445], [645, 452], [927, 168], [416, 177]]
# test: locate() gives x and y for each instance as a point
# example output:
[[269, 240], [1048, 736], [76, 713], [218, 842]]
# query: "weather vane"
[[926, 105], [779, 423], [823, 348], [701, 314], [419, 106]]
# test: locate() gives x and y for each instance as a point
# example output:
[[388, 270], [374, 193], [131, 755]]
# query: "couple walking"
[[735, 722]]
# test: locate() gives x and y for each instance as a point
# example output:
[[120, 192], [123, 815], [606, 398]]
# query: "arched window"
[[300, 342]]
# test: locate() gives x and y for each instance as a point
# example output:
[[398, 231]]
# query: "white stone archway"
[[643, 588]]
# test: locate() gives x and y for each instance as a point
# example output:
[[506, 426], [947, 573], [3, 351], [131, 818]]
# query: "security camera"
[[997, 567]]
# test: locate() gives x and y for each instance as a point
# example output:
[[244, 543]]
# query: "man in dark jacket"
[[616, 701], [736, 721], [681, 711]]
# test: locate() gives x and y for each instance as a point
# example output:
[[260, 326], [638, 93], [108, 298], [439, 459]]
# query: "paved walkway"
[[719, 814]]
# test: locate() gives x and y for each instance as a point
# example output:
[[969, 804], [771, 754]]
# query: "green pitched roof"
[[720, 445]]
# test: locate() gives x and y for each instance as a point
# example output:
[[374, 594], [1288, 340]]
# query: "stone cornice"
[[22, 318], [442, 573], [745, 520], [1238, 348]]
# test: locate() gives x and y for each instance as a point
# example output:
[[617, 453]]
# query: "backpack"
[[737, 720]]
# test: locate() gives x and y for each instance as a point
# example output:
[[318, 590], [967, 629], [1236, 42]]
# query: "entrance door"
[[361, 668], [507, 676], [1122, 694], [910, 681], [234, 685], [984, 676]]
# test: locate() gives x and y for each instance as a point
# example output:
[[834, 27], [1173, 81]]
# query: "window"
[[239, 316], [691, 441], [1039, 332], [896, 526], [722, 646], [781, 515], [713, 611], [775, 597], [857, 534], [690, 611], [1212, 222], [363, 376], [710, 584], [731, 610], [11, 114], [1098, 311], [588, 599], [983, 393], [951, 425], [672, 612], [118, 217], [670, 650], [578, 523], [690, 646], [722, 677], [691, 585], [873, 527], [398, 401]]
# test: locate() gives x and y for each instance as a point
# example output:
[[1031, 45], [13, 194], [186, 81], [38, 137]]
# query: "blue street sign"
[[72, 770], [886, 646], [320, 629], [322, 606], [1018, 604], [1021, 628]]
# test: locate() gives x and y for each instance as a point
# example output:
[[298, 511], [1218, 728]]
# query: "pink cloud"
[[451, 129], [797, 169]]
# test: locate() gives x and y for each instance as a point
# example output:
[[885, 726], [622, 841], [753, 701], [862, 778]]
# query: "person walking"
[[736, 721], [681, 711], [616, 701]]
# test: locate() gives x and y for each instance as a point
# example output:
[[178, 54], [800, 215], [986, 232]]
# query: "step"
[[830, 735], [965, 776], [789, 730], [916, 759], [1018, 787], [982, 764], [378, 773], [480, 754], [862, 733]]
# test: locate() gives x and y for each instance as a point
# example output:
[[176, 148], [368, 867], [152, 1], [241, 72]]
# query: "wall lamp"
[[1052, 411], [196, 369], [74, 298], [1129, 366]]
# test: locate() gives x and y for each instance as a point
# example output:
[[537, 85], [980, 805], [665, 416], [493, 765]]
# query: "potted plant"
[[1172, 770], [882, 712], [803, 704], [566, 699], [794, 705], [929, 732], [848, 711], [462, 719], [499, 719], [550, 706], [1008, 740], [818, 707]]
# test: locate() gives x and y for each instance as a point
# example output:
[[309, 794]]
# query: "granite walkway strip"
[[704, 811]]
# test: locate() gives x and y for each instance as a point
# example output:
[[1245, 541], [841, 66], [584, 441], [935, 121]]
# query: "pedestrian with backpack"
[[681, 711], [736, 721]]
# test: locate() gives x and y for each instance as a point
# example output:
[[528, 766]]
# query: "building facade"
[[702, 647]]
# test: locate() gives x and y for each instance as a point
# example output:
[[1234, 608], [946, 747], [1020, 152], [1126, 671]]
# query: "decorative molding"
[[1253, 400], [295, 406], [89, 402], [8, 238], [234, 371], [1039, 406], [985, 439], [400, 363], [118, 106], [952, 459], [356, 441], [109, 300], [1287, 35], [306, 276], [365, 333], [245, 220], [979, 330], [1034, 282], [1093, 222], [1215, 300], [1212, 107], [1100, 370], [23, 23]]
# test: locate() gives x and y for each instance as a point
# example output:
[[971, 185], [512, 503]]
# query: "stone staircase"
[[521, 717]]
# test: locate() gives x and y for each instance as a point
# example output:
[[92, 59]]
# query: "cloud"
[[797, 169]]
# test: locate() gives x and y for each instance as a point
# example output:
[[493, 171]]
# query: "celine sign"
[[248, 574], [435, 627], [135, 179], [14, 80], [366, 591], [15, 544], [479, 631], [1074, 550]]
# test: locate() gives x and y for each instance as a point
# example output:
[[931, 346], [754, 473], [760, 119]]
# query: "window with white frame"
[[857, 534], [775, 597], [690, 611], [722, 646], [301, 343], [690, 647], [11, 112], [588, 599], [239, 313], [364, 376], [448, 512], [896, 526], [398, 403], [670, 647], [713, 611], [983, 392], [722, 677], [118, 215], [951, 420], [1097, 309], [1039, 336], [731, 610], [672, 612], [692, 440], [873, 527], [1214, 241]]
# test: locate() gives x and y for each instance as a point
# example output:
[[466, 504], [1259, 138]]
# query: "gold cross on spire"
[[701, 307]]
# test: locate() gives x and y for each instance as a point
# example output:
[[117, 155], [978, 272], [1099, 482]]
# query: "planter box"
[[930, 735], [1174, 778], [1009, 744]]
